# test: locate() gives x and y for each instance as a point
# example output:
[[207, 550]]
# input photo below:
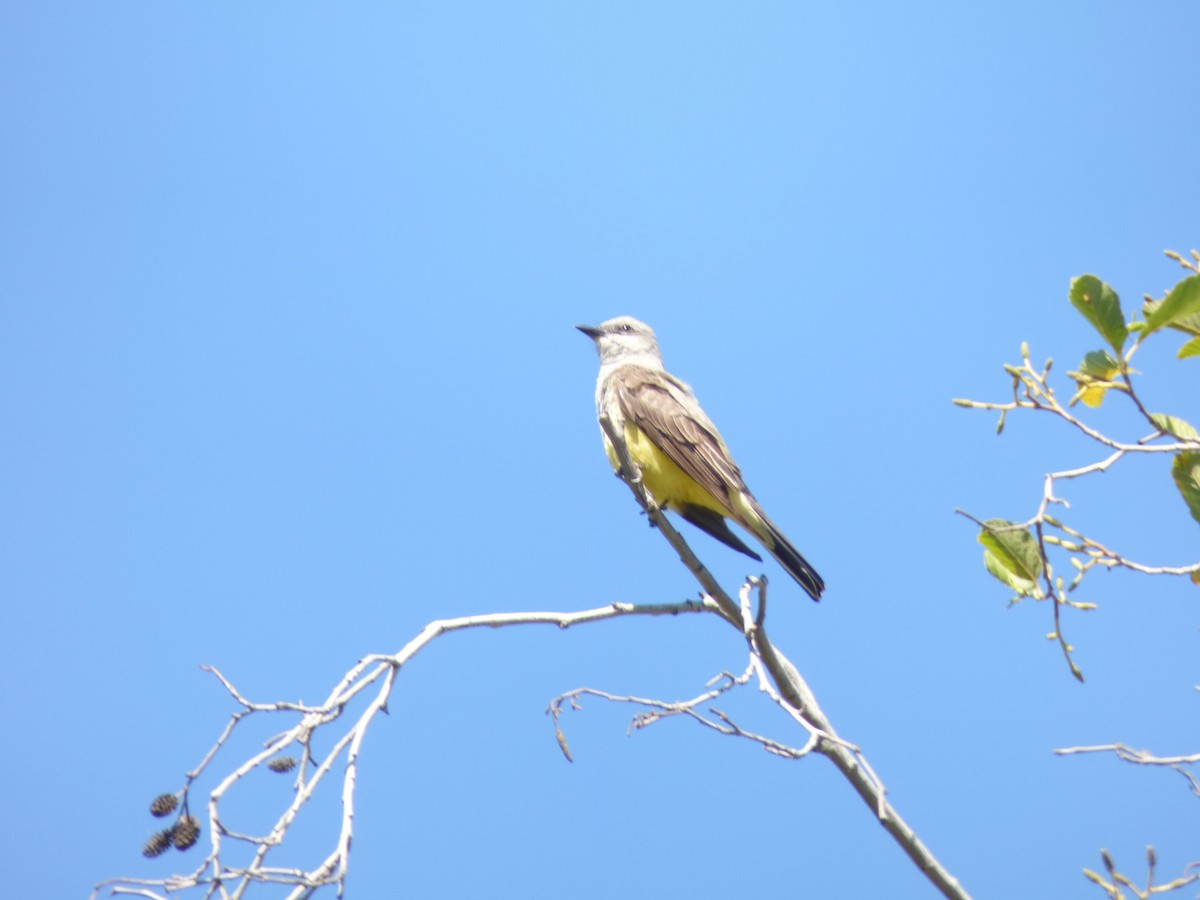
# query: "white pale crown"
[[626, 341]]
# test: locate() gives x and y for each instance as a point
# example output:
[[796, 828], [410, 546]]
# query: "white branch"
[[378, 670], [1140, 757]]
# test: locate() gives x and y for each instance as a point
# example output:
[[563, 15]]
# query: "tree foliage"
[[1023, 555]]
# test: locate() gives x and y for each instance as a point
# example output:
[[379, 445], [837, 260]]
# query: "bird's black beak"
[[591, 331]]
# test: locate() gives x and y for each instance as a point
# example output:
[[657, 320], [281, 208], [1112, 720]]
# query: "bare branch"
[[782, 682], [1144, 758], [218, 877], [632, 476], [775, 675]]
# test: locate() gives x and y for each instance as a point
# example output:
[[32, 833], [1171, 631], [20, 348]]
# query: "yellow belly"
[[666, 482]]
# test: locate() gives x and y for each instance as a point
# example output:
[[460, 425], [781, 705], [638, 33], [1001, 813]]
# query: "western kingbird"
[[685, 466]]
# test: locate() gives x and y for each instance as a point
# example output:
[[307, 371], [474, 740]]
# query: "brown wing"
[[666, 411], [669, 415]]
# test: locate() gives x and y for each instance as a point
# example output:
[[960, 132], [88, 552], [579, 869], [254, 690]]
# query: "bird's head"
[[624, 340]]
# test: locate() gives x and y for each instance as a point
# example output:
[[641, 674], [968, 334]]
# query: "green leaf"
[[1175, 427], [1187, 324], [1186, 472], [1191, 348], [1012, 557], [1177, 307], [1100, 305], [1022, 586], [1097, 366]]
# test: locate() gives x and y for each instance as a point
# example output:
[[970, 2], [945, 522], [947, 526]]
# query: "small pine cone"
[[185, 833], [163, 805], [158, 843], [282, 764]]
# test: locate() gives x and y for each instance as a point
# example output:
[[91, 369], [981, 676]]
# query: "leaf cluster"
[[1016, 553]]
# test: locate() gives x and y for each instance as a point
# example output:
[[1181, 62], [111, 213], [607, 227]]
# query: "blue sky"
[[270, 280]]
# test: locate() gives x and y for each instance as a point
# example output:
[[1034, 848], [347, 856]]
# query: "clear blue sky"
[[269, 274]]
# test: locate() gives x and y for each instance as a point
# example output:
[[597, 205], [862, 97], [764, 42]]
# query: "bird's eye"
[[626, 327]]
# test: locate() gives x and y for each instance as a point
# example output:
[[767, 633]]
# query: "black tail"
[[787, 555], [797, 566], [714, 524]]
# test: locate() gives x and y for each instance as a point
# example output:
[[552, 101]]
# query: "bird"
[[683, 461]]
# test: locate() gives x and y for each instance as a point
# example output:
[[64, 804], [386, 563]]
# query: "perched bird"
[[685, 466]]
